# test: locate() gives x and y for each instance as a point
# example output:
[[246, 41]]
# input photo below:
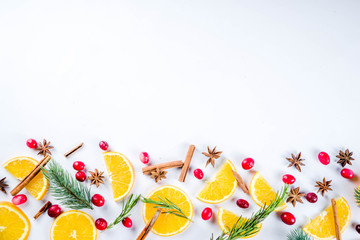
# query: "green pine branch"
[[126, 208], [66, 189], [357, 195], [298, 234]]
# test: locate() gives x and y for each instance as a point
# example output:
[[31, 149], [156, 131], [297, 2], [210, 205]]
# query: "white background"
[[258, 79]]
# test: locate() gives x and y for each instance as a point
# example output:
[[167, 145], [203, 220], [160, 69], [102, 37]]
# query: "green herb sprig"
[[126, 208], [167, 206], [64, 188], [298, 234], [357, 195], [246, 227]]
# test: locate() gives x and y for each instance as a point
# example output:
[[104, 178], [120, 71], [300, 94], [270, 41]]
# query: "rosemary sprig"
[[126, 208], [167, 206], [245, 227], [65, 188], [357, 195], [298, 234]]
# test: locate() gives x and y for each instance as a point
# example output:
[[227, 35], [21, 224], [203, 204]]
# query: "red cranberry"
[[324, 158], [127, 222], [242, 203], [347, 173], [198, 173], [19, 199], [288, 179], [144, 157], [357, 228], [98, 200], [288, 218], [78, 165], [54, 211], [101, 224], [80, 176], [206, 213], [311, 197], [31, 143], [104, 145], [247, 163]]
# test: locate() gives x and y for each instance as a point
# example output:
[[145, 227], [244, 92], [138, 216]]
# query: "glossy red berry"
[[311, 197], [288, 179], [103, 145], [78, 165], [242, 203], [198, 173], [206, 213], [144, 157], [101, 224], [98, 200], [31, 143], [288, 218], [324, 158], [127, 222], [357, 228], [80, 176], [347, 173], [54, 211], [19, 199], [247, 163]]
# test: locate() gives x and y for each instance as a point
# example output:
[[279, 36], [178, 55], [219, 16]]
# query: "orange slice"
[[221, 187], [20, 167], [169, 224], [121, 174]]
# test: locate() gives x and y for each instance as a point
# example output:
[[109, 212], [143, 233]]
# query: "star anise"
[[295, 196], [212, 155], [44, 148], [296, 161], [158, 174], [324, 186], [345, 157], [96, 178], [3, 185]]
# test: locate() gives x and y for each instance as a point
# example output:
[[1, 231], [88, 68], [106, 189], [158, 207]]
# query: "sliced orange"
[[20, 167], [262, 193], [168, 224], [121, 174], [14, 224], [75, 225], [323, 226], [221, 187], [227, 220]]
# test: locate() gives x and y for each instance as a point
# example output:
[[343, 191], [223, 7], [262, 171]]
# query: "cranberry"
[[80, 176], [78, 165], [127, 222], [324, 158], [144, 157], [288, 179], [19, 199], [288, 218], [311, 197], [101, 224], [247, 163], [198, 173], [103, 145], [31, 143], [357, 228], [98, 200], [54, 211], [347, 173], [242, 203], [207, 213]]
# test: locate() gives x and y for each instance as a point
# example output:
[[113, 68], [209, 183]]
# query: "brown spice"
[[162, 166], [345, 157], [296, 161], [149, 225], [44, 148], [73, 150], [186, 165], [96, 178], [212, 155], [336, 220], [324, 186], [158, 175], [241, 182], [3, 185], [295, 196], [43, 209]]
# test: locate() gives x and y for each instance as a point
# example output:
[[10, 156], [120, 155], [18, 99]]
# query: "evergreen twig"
[[70, 192], [298, 234], [357, 195], [126, 208]]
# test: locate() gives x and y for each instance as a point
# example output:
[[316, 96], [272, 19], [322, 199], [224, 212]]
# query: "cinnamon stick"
[[336, 219], [241, 182], [149, 225], [30, 176], [73, 150], [162, 166], [43, 209], [186, 165]]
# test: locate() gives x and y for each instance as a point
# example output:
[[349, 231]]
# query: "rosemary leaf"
[[126, 208], [298, 234]]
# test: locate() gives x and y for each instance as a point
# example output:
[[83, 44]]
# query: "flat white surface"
[[258, 79]]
